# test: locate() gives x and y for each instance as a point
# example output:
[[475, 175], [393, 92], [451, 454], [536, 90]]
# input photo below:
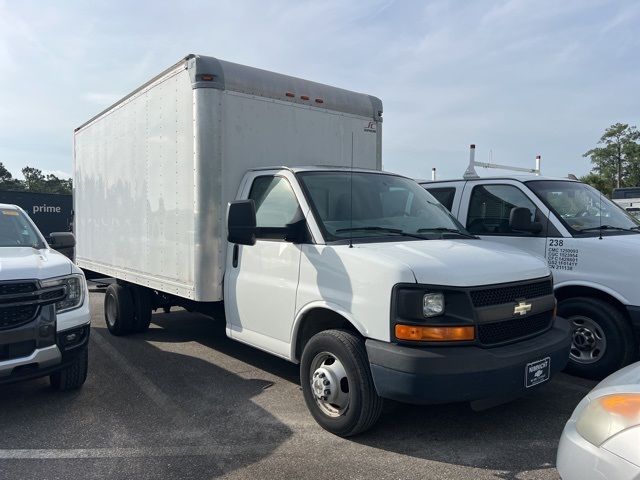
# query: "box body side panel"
[[134, 187]]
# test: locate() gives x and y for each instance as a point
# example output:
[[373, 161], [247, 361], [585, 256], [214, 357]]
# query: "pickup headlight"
[[606, 416], [75, 291], [433, 304]]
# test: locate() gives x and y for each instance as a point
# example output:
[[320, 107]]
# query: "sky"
[[516, 77]]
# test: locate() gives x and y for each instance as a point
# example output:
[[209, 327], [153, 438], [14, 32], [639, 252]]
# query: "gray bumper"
[[40, 359]]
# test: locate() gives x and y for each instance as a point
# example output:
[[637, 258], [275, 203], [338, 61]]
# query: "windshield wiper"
[[397, 231], [447, 230], [610, 227]]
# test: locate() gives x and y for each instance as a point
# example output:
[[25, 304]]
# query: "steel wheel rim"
[[329, 384], [111, 311], [588, 343]]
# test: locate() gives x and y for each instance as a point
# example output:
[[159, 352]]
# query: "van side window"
[[276, 203], [444, 195], [490, 207]]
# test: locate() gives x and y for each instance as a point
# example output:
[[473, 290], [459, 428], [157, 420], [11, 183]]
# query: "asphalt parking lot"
[[183, 401]]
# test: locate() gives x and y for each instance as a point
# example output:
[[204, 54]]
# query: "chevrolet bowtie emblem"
[[522, 308]]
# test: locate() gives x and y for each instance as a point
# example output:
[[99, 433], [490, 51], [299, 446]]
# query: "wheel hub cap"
[[589, 342], [329, 384]]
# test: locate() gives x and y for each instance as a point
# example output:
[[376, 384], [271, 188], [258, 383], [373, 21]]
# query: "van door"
[[261, 280], [486, 207]]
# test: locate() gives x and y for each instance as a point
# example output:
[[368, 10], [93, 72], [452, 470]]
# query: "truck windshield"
[[582, 209], [17, 231], [365, 205]]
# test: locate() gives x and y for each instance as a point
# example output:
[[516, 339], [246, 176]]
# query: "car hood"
[[462, 263], [21, 263]]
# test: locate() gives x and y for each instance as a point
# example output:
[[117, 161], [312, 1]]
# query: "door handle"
[[234, 261]]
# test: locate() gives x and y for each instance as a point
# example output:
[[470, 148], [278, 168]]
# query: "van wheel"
[[603, 341], [73, 376], [118, 309], [142, 309], [337, 384]]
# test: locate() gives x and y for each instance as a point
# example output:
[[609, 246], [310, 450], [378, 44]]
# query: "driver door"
[[262, 279]]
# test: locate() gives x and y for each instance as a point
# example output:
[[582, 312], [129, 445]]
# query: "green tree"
[[616, 160], [7, 182], [596, 181], [33, 179]]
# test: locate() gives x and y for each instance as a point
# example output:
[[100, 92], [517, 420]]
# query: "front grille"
[[499, 295], [17, 350], [17, 288], [507, 330], [14, 316]]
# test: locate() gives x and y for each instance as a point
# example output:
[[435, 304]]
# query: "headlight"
[[75, 291], [606, 416], [433, 304]]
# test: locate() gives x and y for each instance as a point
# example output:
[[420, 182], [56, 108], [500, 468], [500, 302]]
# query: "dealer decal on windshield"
[[11, 213]]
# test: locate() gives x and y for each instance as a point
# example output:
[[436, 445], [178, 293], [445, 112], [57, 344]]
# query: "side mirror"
[[59, 240], [520, 220], [241, 222]]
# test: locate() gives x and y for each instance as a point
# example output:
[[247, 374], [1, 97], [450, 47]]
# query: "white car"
[[601, 440]]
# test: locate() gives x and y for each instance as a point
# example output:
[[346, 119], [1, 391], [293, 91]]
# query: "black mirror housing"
[[58, 240], [520, 220], [241, 222]]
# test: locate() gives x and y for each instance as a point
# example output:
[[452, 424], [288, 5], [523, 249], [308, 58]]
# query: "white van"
[[591, 245]]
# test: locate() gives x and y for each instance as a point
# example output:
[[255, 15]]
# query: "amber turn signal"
[[435, 334]]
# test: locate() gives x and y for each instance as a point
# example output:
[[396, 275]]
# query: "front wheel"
[[337, 384], [73, 376], [602, 340]]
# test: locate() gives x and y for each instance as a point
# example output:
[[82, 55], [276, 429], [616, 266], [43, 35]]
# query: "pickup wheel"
[[337, 384], [119, 309], [142, 309], [73, 376], [603, 341]]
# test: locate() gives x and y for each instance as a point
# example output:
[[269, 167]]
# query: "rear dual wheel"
[[127, 309], [337, 384]]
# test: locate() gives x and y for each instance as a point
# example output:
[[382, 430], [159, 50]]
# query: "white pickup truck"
[[591, 245], [357, 274], [44, 306]]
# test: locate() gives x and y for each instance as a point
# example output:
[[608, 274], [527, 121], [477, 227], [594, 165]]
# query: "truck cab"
[[363, 278], [44, 306], [590, 244]]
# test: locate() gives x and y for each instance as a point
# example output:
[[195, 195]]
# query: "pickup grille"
[[500, 295], [508, 330], [21, 301]]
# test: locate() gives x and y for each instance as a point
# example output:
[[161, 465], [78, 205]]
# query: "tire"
[[142, 309], [73, 376], [323, 355], [166, 309], [119, 310], [603, 340]]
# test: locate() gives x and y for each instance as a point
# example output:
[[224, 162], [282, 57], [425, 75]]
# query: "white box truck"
[[357, 274]]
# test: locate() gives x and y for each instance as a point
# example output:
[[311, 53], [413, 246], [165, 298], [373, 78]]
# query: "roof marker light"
[[205, 77], [319, 100], [304, 97], [290, 94]]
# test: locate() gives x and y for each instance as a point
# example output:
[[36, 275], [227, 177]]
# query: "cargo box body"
[[154, 173]]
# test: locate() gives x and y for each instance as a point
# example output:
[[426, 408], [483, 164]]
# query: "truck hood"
[[21, 263], [462, 263]]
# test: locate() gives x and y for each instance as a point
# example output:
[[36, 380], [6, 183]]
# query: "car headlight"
[[433, 304], [608, 415], [75, 291]]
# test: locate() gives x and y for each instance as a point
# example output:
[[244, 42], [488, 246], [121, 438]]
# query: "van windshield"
[[366, 205], [583, 209], [17, 231]]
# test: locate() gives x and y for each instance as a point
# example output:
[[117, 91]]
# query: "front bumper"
[[427, 375]]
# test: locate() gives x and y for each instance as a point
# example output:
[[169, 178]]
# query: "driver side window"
[[490, 207], [276, 203]]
